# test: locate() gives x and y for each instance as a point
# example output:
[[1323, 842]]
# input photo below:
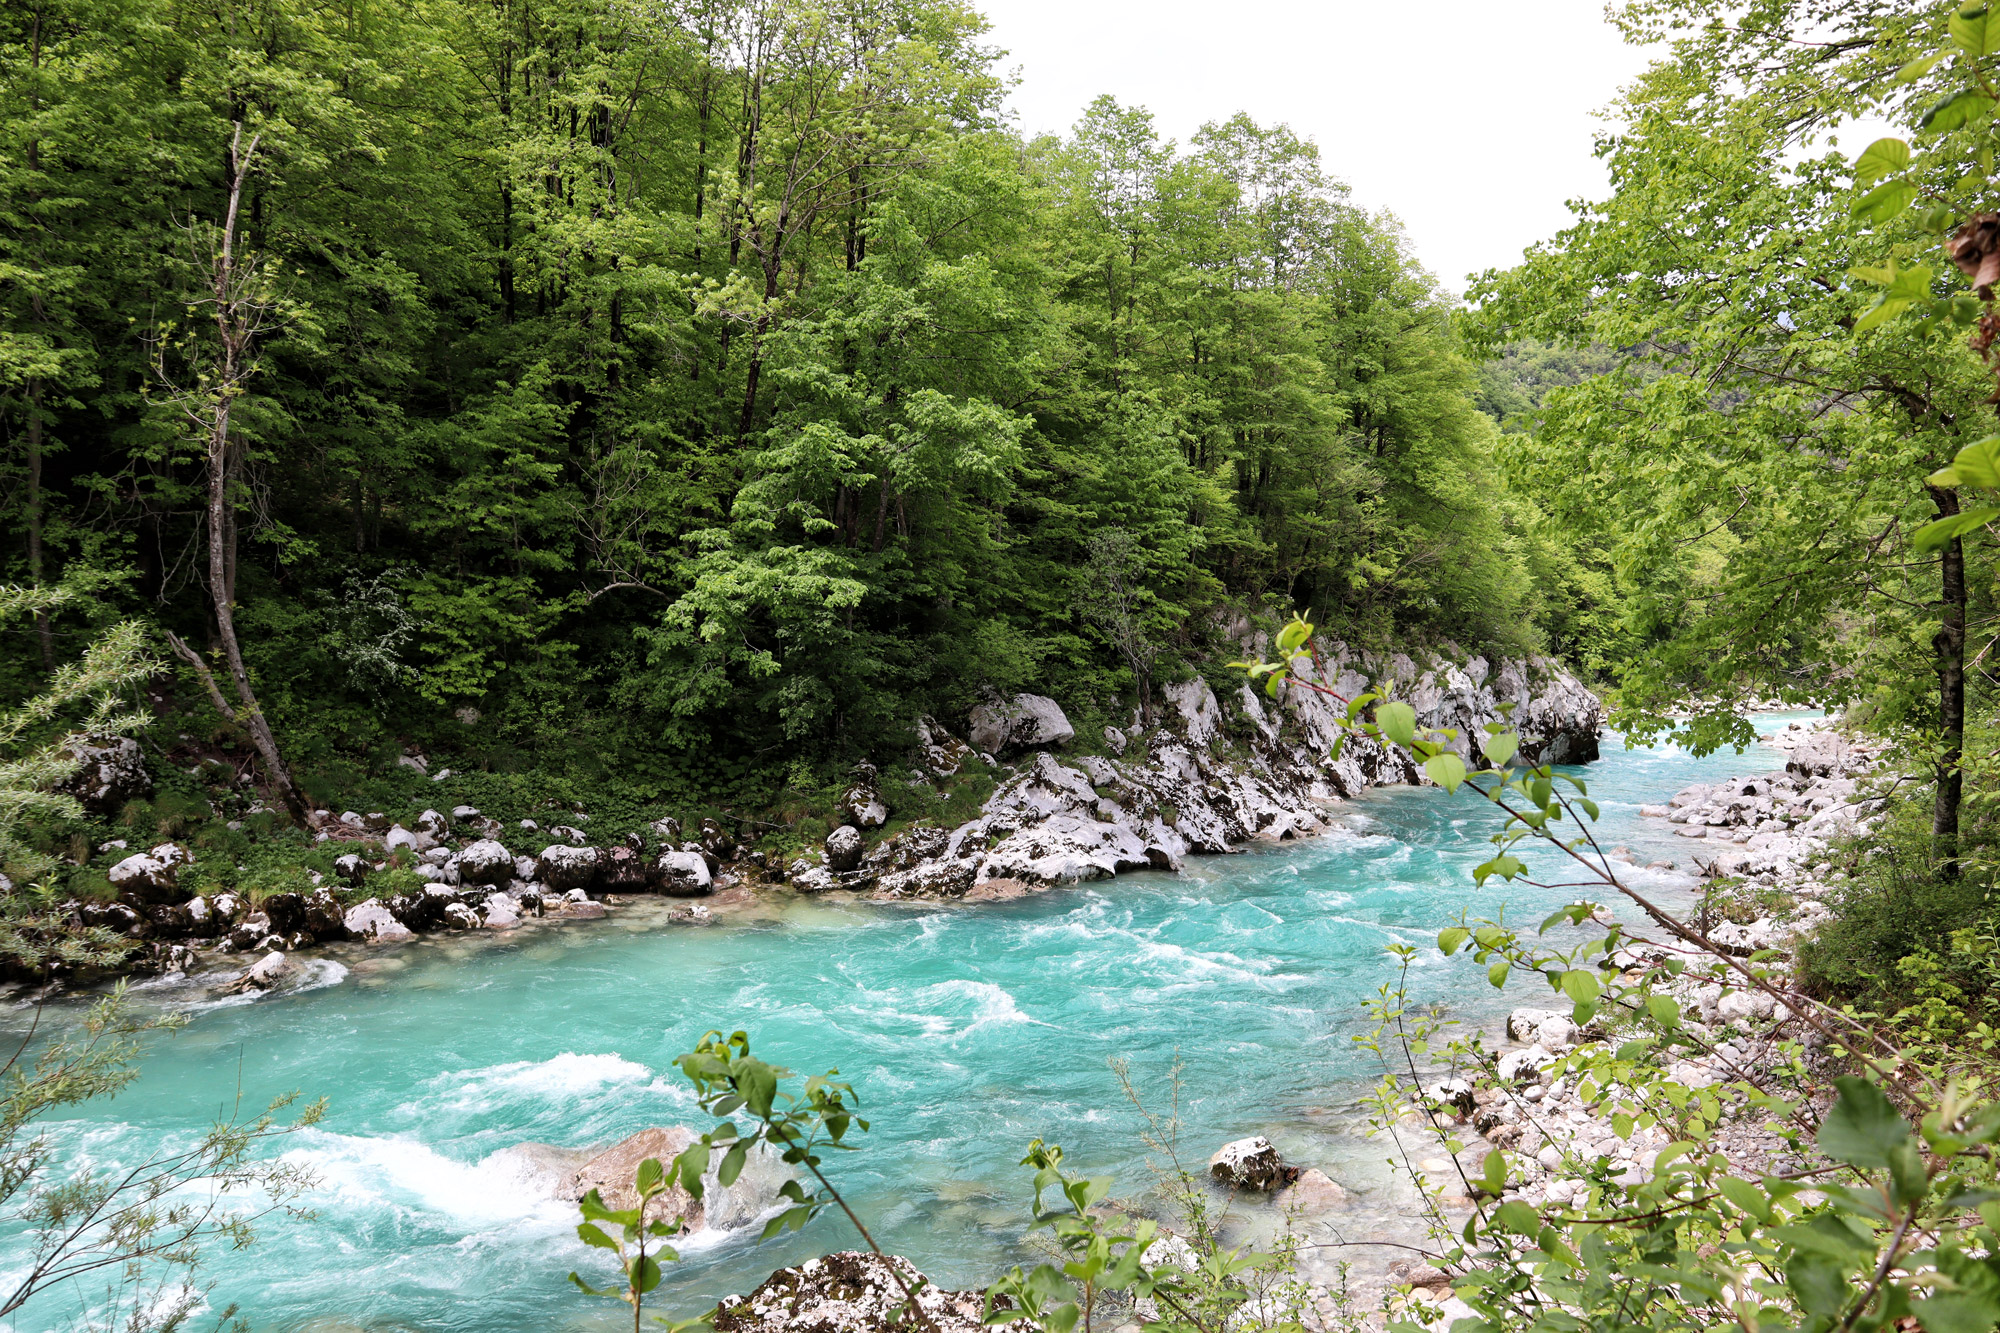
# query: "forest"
[[730, 381], [696, 417]]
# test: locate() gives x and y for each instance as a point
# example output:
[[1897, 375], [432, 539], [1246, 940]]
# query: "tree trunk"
[[1948, 646], [42, 630], [237, 313]]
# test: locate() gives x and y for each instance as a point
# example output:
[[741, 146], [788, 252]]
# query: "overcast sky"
[[1471, 121]]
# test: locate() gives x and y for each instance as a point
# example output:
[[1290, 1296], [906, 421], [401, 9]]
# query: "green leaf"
[[1976, 31], [1885, 309], [1506, 866], [1863, 1129], [646, 1275], [1398, 722], [1447, 770], [1746, 1196], [1518, 1218], [1493, 1171], [1957, 1312], [1581, 985], [1955, 112], [1664, 1011], [1914, 283], [1819, 1283], [1977, 464], [1497, 974], [590, 1234], [1908, 1182], [1880, 158], [1884, 202], [1917, 68], [1451, 937], [1938, 533], [647, 1179], [732, 1165], [1500, 747]]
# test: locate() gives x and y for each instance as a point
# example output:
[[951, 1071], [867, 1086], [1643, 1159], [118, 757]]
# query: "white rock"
[[486, 862], [563, 867], [683, 874], [1023, 722], [265, 973], [1525, 1065], [372, 921], [108, 774], [1250, 1164]]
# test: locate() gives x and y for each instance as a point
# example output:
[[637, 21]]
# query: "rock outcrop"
[[1215, 772], [852, 1291]]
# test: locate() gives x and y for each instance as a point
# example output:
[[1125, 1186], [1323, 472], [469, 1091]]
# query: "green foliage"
[[676, 449]]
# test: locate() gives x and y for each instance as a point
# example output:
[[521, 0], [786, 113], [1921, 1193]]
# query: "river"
[[966, 1031]]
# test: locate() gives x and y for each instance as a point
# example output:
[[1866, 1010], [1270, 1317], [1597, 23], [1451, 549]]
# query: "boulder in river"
[[1025, 722], [1312, 1193], [609, 1171], [265, 973], [1251, 1164]]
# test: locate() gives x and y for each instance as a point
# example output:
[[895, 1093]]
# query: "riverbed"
[[966, 1031]]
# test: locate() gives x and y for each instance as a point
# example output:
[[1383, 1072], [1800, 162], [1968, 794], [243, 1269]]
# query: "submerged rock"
[[262, 975], [610, 1172]]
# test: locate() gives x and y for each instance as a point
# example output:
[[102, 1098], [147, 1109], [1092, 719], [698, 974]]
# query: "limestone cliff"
[[1220, 770]]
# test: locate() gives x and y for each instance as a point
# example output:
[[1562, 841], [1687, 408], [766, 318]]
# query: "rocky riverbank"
[[1211, 773], [1764, 842]]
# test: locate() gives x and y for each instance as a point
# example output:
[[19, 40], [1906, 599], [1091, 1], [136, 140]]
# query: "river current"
[[967, 1032]]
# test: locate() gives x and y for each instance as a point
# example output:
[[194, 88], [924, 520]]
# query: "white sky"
[[1472, 122]]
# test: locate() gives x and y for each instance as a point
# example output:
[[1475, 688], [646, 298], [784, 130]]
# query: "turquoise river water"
[[966, 1031]]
